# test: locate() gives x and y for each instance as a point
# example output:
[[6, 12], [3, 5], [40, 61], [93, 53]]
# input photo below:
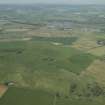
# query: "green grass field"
[[37, 56], [62, 40], [24, 96], [41, 65], [21, 96]]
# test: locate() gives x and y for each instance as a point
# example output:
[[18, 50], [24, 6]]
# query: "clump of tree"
[[58, 95], [73, 87], [94, 90]]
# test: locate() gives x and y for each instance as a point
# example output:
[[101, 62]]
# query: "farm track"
[[94, 48]]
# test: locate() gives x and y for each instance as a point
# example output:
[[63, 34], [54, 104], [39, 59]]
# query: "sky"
[[54, 1]]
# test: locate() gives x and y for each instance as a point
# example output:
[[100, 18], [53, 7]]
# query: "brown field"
[[99, 51], [17, 30], [97, 71]]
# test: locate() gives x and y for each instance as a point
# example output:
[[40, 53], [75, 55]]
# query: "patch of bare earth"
[[3, 89]]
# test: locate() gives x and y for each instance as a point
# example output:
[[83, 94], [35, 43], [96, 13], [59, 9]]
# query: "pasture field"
[[43, 55], [62, 40], [41, 64], [41, 97], [19, 96], [80, 101]]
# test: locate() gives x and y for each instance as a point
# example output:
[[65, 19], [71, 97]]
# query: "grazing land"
[[26, 97]]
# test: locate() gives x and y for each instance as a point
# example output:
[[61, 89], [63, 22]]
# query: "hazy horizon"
[[77, 2]]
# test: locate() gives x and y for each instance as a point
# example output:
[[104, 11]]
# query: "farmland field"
[[26, 97], [40, 97], [52, 55]]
